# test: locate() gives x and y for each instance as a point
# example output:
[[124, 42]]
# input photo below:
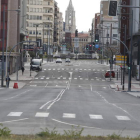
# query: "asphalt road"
[[66, 95]]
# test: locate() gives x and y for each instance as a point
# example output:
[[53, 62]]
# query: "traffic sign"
[[96, 46]]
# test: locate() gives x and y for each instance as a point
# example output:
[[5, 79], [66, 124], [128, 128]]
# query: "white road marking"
[[47, 78], [44, 69], [75, 78], [91, 87], [96, 116], [33, 85], [15, 120], [58, 78], [64, 78], [124, 118], [42, 78], [36, 78], [53, 69], [75, 124], [41, 114], [81, 78], [18, 95], [15, 114], [56, 99], [67, 115], [49, 69], [85, 69]]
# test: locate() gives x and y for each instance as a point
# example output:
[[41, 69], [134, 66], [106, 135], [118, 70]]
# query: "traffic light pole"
[[124, 61]]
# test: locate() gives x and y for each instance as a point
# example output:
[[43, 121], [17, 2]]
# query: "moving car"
[[58, 60], [67, 60], [36, 64], [107, 74]]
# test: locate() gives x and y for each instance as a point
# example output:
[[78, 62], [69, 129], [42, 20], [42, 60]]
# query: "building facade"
[[83, 41], [108, 27], [70, 20], [40, 21]]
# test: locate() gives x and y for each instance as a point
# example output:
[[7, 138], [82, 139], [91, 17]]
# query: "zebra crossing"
[[67, 78], [69, 116], [73, 69]]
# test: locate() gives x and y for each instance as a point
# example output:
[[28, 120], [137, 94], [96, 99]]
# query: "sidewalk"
[[135, 86]]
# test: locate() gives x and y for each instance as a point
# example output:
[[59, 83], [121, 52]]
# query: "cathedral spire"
[[70, 4]]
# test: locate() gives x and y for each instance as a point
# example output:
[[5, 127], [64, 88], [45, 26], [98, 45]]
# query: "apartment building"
[[12, 31], [40, 22]]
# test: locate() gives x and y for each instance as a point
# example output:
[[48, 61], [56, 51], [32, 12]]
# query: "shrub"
[[4, 131]]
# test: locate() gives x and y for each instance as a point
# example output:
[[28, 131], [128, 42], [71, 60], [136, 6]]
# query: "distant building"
[[70, 21], [83, 41]]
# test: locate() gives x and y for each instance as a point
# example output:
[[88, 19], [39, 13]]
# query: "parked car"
[[36, 64], [107, 74], [67, 60], [58, 60]]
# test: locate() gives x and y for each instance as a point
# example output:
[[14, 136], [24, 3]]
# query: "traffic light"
[[87, 47], [96, 38], [90, 47], [112, 8]]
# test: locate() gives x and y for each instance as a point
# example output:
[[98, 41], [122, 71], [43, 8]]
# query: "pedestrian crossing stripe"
[[67, 115], [95, 116], [41, 114], [15, 114], [124, 118]]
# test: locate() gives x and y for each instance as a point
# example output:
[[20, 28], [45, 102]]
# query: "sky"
[[84, 10]]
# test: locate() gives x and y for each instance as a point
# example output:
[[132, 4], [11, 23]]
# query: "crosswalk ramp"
[[69, 116]]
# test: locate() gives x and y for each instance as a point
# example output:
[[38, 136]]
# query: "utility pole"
[[36, 40], [130, 58], [43, 44], [124, 60], [3, 40]]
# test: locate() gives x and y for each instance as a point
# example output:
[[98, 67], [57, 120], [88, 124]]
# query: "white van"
[[36, 64]]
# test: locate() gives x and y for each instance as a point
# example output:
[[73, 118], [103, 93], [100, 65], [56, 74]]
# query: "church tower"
[[70, 23]]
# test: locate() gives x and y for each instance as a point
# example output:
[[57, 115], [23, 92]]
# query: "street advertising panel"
[[76, 42], [120, 60]]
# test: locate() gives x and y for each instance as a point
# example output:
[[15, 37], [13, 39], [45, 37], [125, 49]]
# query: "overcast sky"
[[85, 11]]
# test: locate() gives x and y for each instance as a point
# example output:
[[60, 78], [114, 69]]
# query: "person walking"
[[22, 70], [8, 81]]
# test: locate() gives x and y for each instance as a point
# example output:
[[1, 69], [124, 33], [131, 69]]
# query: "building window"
[[48, 3], [107, 35], [114, 42], [115, 35], [30, 32]]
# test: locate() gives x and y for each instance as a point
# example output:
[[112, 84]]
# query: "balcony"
[[48, 14], [45, 4], [48, 21]]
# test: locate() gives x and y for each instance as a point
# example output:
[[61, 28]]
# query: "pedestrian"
[[8, 81], [22, 70]]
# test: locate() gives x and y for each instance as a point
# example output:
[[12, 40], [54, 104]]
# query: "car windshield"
[[35, 63]]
